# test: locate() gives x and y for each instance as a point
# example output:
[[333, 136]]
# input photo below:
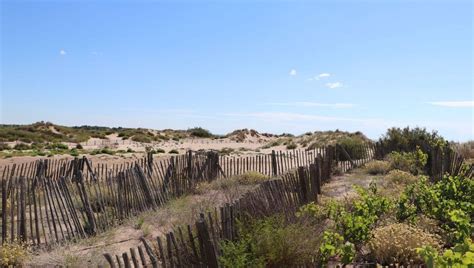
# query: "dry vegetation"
[[178, 212]]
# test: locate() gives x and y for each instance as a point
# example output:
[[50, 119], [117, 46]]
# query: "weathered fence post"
[[149, 251], [109, 259], [303, 183], [87, 206], [209, 254], [274, 164]]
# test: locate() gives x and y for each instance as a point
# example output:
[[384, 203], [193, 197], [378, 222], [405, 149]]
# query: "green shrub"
[[272, 242], [226, 151], [21, 146], [130, 150], [408, 140], [4, 146], [355, 224], [413, 162], [325, 209], [355, 220], [57, 146], [143, 138], [173, 151], [105, 150], [79, 146], [461, 255], [354, 146], [291, 146], [159, 151], [398, 243], [200, 132], [449, 201], [74, 152], [377, 167], [333, 246]]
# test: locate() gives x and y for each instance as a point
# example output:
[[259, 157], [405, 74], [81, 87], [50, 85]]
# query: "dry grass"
[[377, 167], [465, 149], [397, 243], [400, 178], [179, 211]]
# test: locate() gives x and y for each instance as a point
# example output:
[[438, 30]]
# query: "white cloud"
[[314, 104], [453, 104], [323, 75], [319, 76], [334, 85], [62, 52], [292, 72]]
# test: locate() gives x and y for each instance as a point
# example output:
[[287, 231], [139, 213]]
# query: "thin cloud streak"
[[282, 116], [453, 104], [314, 104], [319, 76]]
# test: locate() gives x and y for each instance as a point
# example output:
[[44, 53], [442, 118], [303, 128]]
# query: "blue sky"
[[281, 66]]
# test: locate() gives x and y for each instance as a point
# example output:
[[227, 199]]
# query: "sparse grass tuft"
[[377, 167], [251, 177], [399, 177]]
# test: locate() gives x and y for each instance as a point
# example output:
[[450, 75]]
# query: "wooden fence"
[[198, 245], [441, 160], [46, 202]]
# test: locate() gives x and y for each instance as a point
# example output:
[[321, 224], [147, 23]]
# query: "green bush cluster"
[[449, 200], [200, 132], [143, 138], [333, 245], [409, 139], [353, 222], [57, 146], [105, 150], [413, 162], [459, 256], [21, 146], [291, 146], [354, 146], [4, 146], [271, 242]]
